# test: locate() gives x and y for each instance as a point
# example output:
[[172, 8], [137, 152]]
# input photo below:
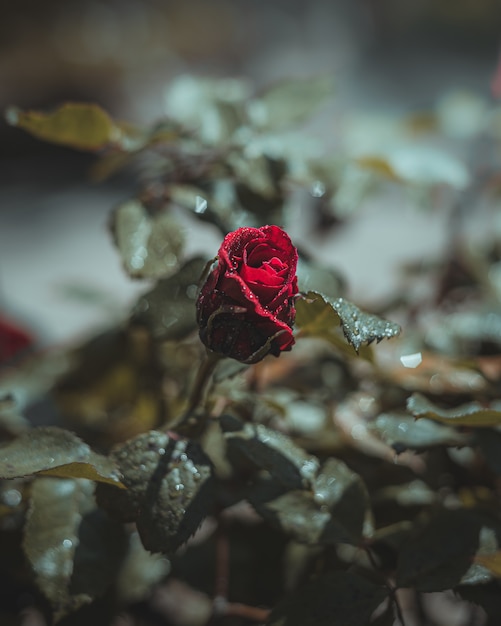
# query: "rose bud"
[[245, 309]]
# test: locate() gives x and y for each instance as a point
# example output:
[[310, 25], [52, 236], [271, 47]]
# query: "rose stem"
[[202, 378]]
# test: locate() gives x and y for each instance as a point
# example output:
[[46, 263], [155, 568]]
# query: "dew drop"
[[12, 497], [200, 205], [317, 189], [411, 360]]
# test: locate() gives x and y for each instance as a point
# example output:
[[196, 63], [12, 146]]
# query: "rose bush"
[[245, 308]]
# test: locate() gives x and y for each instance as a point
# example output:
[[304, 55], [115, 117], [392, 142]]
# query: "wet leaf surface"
[[472, 414], [335, 599], [51, 537], [269, 450], [168, 310], [77, 125], [150, 245], [169, 489], [58, 452], [317, 316], [334, 510], [401, 432]]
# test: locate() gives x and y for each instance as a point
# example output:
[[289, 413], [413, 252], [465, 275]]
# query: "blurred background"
[[389, 60]]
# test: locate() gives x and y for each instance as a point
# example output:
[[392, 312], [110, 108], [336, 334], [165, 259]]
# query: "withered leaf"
[[56, 452], [168, 310], [335, 599], [472, 414], [75, 124], [270, 450], [150, 245]]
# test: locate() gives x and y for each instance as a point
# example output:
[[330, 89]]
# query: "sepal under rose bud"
[[245, 308]]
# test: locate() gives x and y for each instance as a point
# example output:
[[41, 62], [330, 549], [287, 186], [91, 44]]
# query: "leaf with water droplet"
[[402, 431], [318, 315], [168, 310], [334, 510], [78, 125], [269, 450], [57, 452], [51, 537], [74, 548], [338, 598], [169, 489], [150, 244], [472, 414]]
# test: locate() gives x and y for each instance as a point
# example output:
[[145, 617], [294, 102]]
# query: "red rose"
[[245, 309]]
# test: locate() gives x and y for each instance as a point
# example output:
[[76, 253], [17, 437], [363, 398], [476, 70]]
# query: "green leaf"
[[335, 599], [169, 489], [403, 432], [335, 510], [269, 450], [472, 414], [77, 125], [439, 552], [168, 310], [318, 316], [51, 537], [56, 452], [75, 549], [291, 102], [139, 572], [150, 245]]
